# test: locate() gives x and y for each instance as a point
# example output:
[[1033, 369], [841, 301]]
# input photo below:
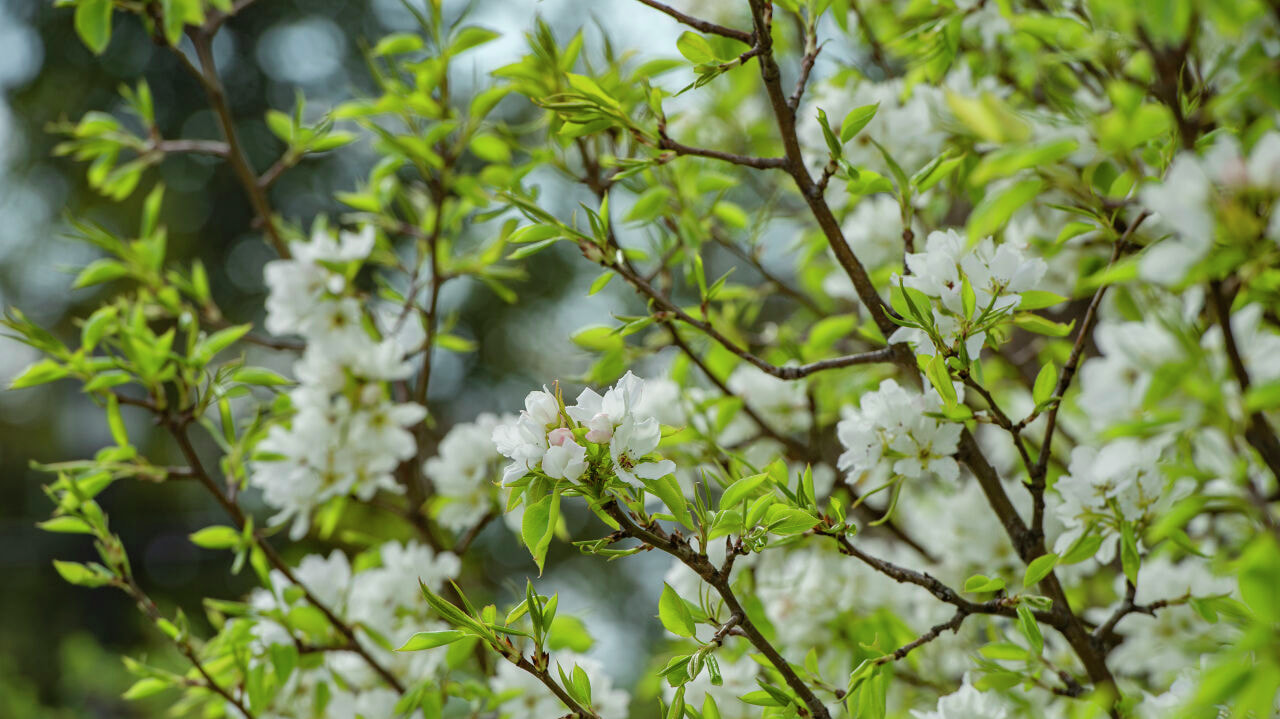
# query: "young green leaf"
[[675, 614]]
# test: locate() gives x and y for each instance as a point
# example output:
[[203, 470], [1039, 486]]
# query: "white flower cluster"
[[891, 432], [384, 600], [346, 434], [543, 438], [1186, 199], [463, 471], [967, 702], [996, 273], [1171, 641], [1120, 482]]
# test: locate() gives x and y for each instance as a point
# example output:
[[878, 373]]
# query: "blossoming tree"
[[958, 323]]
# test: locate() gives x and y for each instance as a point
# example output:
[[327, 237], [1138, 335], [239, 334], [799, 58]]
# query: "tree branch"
[[178, 430], [1038, 475], [698, 24], [1259, 432], [759, 163], [236, 156], [762, 14], [719, 580]]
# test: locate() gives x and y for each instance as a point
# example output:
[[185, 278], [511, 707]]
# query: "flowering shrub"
[[959, 326]]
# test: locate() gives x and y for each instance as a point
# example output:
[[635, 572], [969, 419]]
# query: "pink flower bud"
[[559, 436]]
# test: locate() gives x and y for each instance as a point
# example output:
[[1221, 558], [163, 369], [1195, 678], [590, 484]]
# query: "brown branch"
[[177, 428], [795, 449], [544, 676], [464, 543], [149, 608], [1259, 432], [762, 15], [236, 156], [698, 24], [719, 580], [759, 163], [886, 354], [878, 55], [953, 624], [1038, 475], [812, 48]]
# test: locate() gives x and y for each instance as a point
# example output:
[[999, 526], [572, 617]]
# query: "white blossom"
[[967, 702], [891, 424]]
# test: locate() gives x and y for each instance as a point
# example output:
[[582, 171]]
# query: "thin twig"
[[207, 73], [698, 24], [952, 624], [759, 163], [719, 580]]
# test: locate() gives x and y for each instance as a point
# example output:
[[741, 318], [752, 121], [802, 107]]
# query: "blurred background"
[[59, 644]]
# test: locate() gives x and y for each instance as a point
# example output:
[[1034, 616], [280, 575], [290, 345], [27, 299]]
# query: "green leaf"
[[1039, 299], [66, 525], [979, 584], [1084, 548], [995, 209], [259, 376], [833, 143], [431, 640], [1008, 161], [207, 348], [1003, 651], [599, 283], [144, 688], [1263, 397], [533, 248], [1129, 559], [538, 525], [1046, 381], [935, 172], [217, 538], [93, 24], [1038, 569], [675, 614], [80, 574], [99, 271], [988, 117], [397, 44], [41, 372], [471, 36], [735, 493], [695, 48], [856, 120], [940, 378], [1041, 325], [115, 422], [1030, 628]]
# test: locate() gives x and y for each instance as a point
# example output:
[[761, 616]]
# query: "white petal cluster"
[[997, 274], [1120, 482], [385, 600], [891, 433], [543, 438], [803, 591], [522, 695], [1186, 198], [1113, 385], [1172, 641], [464, 470], [346, 434], [967, 702]]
